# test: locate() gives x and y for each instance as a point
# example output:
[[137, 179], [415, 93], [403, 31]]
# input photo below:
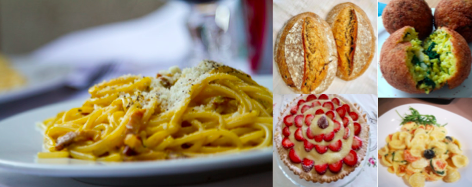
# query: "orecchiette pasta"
[[420, 153]]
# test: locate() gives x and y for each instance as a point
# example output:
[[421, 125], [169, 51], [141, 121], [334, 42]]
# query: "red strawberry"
[[288, 120], [321, 149], [341, 111], [286, 143], [331, 114], [293, 156], [308, 119], [328, 137], [286, 131], [299, 120], [307, 164], [354, 116], [337, 126], [323, 97], [305, 108], [311, 97], [335, 146], [335, 101], [294, 109], [319, 111], [345, 121], [299, 135], [351, 158], [323, 122], [347, 108], [308, 146], [347, 132], [357, 128], [329, 105], [321, 169], [317, 103], [309, 134], [356, 143], [300, 102], [319, 137], [336, 167]]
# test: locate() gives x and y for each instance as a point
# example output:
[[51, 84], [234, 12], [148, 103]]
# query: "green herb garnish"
[[419, 119]]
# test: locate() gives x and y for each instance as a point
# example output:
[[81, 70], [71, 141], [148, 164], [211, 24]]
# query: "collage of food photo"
[[207, 93]]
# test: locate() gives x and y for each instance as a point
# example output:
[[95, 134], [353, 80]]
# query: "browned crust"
[[365, 43], [312, 175], [461, 52], [279, 50], [456, 15], [393, 57], [331, 57], [416, 13]]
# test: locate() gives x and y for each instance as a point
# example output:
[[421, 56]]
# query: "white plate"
[[386, 90], [40, 78], [457, 127], [20, 141]]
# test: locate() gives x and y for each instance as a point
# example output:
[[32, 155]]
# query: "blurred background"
[[53, 50]]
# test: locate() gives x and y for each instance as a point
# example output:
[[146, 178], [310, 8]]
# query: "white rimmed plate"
[[386, 90], [457, 127], [20, 141], [39, 78]]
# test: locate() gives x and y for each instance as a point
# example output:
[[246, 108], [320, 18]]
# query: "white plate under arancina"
[[21, 141], [457, 127], [386, 90]]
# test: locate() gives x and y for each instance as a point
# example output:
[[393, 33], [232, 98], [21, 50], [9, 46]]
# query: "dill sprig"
[[419, 119]]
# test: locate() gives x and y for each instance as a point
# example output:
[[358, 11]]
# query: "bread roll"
[[305, 53], [355, 39]]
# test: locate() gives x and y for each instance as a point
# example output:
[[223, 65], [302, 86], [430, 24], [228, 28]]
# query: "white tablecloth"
[[368, 104]]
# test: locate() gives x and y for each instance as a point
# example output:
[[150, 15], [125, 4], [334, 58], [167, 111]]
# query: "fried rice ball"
[[415, 13], [456, 15]]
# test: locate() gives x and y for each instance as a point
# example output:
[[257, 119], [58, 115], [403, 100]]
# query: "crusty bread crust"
[[456, 15], [365, 44], [461, 52], [393, 57], [330, 58], [416, 13], [313, 175]]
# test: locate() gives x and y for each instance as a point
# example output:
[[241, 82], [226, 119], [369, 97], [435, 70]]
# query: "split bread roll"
[[355, 39], [305, 53]]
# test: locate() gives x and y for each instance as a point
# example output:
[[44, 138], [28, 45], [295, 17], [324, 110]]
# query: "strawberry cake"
[[321, 138]]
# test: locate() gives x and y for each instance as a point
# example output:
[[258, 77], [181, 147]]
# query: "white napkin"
[[158, 37]]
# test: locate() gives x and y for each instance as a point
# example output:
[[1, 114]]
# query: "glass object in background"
[[208, 23], [257, 21], [234, 32]]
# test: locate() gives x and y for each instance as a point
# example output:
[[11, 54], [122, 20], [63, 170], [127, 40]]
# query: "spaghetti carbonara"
[[203, 110], [423, 152]]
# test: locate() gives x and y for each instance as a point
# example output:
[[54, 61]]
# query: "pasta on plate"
[[423, 152], [204, 110]]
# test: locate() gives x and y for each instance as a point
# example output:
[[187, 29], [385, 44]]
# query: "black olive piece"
[[428, 154], [448, 139]]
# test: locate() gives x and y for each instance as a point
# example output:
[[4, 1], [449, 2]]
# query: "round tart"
[[321, 138]]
